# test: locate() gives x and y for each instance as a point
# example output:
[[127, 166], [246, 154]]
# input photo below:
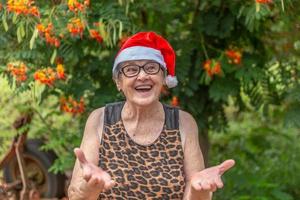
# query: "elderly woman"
[[141, 148]]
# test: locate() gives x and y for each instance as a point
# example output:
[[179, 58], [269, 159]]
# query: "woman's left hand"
[[209, 180]]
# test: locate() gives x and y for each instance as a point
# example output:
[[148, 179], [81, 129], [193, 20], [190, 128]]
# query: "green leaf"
[[14, 19], [221, 88], [22, 30], [5, 26], [19, 34], [32, 40], [53, 56]]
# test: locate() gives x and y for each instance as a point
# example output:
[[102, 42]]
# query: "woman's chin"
[[144, 101]]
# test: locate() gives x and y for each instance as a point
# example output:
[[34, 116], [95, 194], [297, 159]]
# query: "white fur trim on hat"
[[171, 81], [139, 53]]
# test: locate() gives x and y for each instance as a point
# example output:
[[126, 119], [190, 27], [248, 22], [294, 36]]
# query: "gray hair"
[[116, 72]]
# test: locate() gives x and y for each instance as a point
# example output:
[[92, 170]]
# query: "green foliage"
[[265, 35], [266, 155]]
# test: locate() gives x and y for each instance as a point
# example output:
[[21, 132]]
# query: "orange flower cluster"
[[48, 75], [76, 6], [25, 7], [96, 35], [71, 106], [175, 101], [1, 6], [45, 76], [234, 57], [48, 33], [76, 27], [212, 67], [18, 71], [263, 1], [60, 71]]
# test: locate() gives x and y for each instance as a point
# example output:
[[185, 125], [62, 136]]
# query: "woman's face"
[[142, 89]]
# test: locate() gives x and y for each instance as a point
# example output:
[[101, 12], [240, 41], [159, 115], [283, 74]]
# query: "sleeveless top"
[[141, 172]]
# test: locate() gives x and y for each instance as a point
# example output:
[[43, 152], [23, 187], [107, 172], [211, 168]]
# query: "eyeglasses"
[[132, 70]]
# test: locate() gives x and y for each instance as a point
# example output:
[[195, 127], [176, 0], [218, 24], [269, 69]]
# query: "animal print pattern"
[[142, 172]]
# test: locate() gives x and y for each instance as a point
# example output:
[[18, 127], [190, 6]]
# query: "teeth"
[[143, 87]]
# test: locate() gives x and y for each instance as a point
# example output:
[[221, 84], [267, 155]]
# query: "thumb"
[[226, 165], [80, 156]]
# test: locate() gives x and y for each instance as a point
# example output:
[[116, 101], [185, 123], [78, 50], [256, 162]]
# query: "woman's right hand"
[[97, 180]]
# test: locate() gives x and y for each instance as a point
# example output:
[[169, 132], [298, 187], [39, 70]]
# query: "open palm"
[[210, 179], [96, 178]]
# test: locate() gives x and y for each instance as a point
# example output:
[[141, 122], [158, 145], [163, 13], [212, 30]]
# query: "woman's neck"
[[139, 114]]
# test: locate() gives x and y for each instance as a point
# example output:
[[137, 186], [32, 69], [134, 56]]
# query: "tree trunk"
[[204, 145]]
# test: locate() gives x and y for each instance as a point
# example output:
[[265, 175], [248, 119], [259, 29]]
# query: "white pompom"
[[171, 81]]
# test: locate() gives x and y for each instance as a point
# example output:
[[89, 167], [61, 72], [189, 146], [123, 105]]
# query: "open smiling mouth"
[[143, 88]]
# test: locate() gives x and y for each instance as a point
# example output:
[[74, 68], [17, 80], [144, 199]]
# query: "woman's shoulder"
[[187, 121], [96, 115]]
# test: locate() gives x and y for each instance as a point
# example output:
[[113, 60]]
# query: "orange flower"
[[1, 6], [95, 35], [52, 40], [18, 71], [76, 6], [48, 33], [71, 106], [40, 28], [23, 7], [60, 71], [76, 27], [263, 1], [212, 67], [175, 101], [234, 57], [45, 76]]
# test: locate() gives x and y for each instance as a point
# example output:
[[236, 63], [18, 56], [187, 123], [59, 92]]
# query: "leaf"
[[221, 88], [22, 30], [32, 40], [4, 22], [53, 56], [19, 35], [14, 19]]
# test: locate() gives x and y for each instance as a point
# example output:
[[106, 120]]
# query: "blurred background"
[[237, 65]]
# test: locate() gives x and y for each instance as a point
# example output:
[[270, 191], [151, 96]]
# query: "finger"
[[205, 185], [226, 165], [109, 184], [80, 156], [87, 173], [219, 182], [96, 181], [196, 185], [213, 187]]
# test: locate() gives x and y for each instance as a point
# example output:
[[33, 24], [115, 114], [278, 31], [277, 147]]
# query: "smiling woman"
[[141, 148]]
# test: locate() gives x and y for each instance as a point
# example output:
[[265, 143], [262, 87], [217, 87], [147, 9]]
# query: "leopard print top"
[[147, 172]]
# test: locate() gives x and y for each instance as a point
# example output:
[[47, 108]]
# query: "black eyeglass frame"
[[122, 69]]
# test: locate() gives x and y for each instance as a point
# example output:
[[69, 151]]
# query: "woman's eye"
[[151, 67], [130, 69]]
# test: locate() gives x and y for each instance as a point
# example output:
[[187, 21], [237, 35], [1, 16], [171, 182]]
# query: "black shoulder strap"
[[172, 117], [113, 113]]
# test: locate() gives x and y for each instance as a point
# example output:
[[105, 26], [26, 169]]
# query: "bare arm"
[[193, 159], [78, 189], [200, 182]]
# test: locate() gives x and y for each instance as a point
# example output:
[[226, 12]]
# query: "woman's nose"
[[142, 75]]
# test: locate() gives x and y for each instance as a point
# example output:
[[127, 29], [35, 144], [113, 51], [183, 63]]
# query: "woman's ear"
[[118, 84]]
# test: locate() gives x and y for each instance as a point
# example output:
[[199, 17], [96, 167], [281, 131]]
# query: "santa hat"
[[149, 46]]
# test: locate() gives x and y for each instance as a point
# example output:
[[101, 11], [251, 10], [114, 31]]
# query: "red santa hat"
[[149, 46]]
